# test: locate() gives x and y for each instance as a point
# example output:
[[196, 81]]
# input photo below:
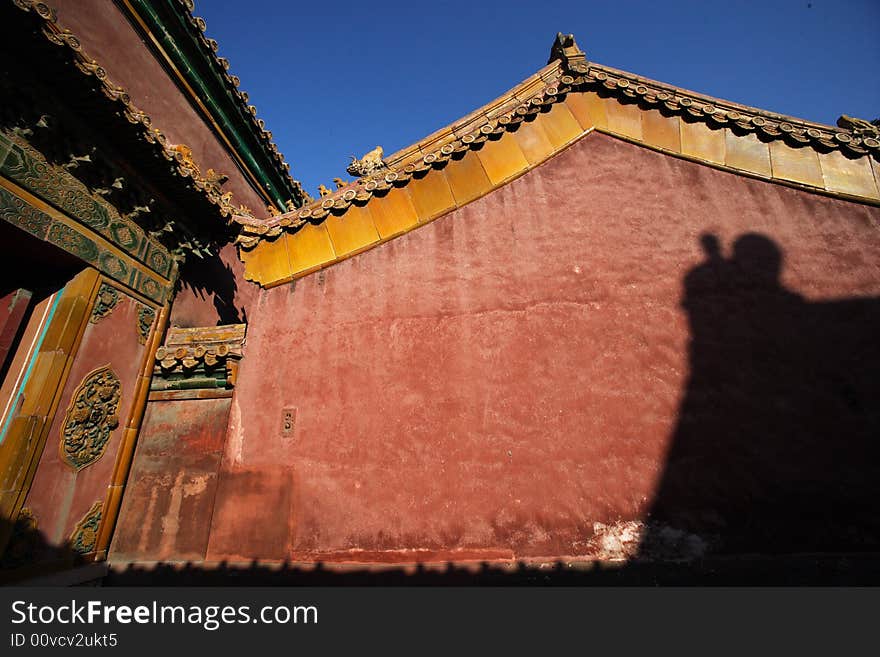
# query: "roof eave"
[[179, 41]]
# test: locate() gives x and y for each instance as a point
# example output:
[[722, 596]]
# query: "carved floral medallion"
[[90, 419], [105, 302], [146, 315], [84, 538]]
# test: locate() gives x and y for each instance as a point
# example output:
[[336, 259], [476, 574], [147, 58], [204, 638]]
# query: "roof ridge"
[[525, 99], [698, 105], [568, 71]]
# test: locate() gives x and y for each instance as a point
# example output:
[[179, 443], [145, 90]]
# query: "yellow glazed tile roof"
[[562, 102]]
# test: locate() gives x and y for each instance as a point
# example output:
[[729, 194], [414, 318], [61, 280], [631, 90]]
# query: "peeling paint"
[[196, 486], [625, 540], [235, 434], [171, 519]]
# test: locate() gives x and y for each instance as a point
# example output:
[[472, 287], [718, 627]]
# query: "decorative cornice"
[[715, 112], [26, 166], [118, 95], [180, 37], [568, 74], [202, 358], [18, 208]]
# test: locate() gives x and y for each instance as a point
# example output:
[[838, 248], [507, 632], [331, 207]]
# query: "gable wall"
[[495, 383]]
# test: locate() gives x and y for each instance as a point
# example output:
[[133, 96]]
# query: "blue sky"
[[334, 79]]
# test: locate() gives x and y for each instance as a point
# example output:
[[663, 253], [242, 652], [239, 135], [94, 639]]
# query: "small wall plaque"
[[288, 422]]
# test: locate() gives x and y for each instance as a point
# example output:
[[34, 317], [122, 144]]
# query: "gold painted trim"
[[125, 453], [73, 418], [84, 538], [83, 289]]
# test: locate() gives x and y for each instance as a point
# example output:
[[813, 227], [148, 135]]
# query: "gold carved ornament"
[[85, 535], [368, 164], [90, 419], [146, 317], [105, 302]]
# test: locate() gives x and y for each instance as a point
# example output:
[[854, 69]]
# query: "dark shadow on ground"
[[29, 555], [814, 570]]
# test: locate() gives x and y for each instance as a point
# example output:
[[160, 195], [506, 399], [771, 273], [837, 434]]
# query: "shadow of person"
[[775, 448]]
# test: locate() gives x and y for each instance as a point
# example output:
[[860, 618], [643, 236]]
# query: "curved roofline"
[[571, 97], [568, 72], [179, 41]]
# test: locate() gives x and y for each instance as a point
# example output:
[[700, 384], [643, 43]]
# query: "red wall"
[[494, 383], [169, 499], [212, 291], [13, 306]]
